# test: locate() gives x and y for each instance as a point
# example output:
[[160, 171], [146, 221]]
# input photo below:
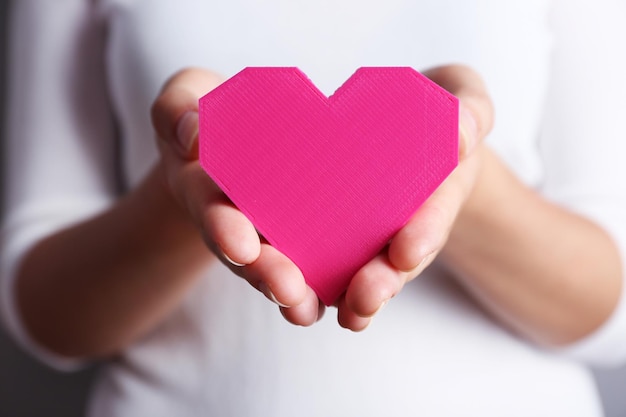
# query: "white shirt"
[[83, 75]]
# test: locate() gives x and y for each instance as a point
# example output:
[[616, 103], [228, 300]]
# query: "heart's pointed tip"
[[326, 295]]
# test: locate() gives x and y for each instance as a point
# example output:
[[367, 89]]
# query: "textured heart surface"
[[328, 181]]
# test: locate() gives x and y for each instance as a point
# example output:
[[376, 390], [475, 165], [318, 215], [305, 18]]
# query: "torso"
[[432, 351]]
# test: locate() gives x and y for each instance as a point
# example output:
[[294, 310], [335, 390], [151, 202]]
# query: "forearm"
[[92, 289], [548, 273]]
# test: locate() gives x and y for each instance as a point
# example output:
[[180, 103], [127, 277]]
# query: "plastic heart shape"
[[328, 181]]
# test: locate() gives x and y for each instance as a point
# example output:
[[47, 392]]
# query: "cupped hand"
[[233, 238], [417, 244], [226, 231]]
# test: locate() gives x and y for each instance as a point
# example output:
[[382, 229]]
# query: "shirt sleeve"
[[60, 146], [583, 140]]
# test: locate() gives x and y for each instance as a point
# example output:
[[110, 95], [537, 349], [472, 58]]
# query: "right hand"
[[225, 229]]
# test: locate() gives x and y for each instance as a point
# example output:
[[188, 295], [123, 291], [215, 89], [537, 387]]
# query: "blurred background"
[[28, 389]]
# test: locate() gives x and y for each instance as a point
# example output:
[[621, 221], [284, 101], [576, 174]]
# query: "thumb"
[[175, 111], [476, 108]]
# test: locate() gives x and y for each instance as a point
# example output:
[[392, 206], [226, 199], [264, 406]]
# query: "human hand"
[[234, 240], [417, 244], [226, 231]]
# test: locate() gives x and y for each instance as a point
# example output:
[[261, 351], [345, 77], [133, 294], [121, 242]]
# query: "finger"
[[476, 109], [427, 231], [278, 278], [227, 231], [174, 112], [306, 313], [372, 286], [233, 234], [348, 319], [321, 309]]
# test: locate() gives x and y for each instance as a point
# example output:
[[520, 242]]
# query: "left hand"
[[417, 244]]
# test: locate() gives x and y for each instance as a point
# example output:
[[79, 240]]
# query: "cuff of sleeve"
[[18, 238]]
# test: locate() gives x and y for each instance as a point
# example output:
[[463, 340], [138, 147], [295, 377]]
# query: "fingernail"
[[265, 289], [187, 130], [468, 132], [227, 258], [424, 262], [369, 323], [380, 308]]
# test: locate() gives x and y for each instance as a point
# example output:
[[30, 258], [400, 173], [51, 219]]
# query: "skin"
[[151, 246]]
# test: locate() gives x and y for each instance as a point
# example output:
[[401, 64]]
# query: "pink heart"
[[328, 181]]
